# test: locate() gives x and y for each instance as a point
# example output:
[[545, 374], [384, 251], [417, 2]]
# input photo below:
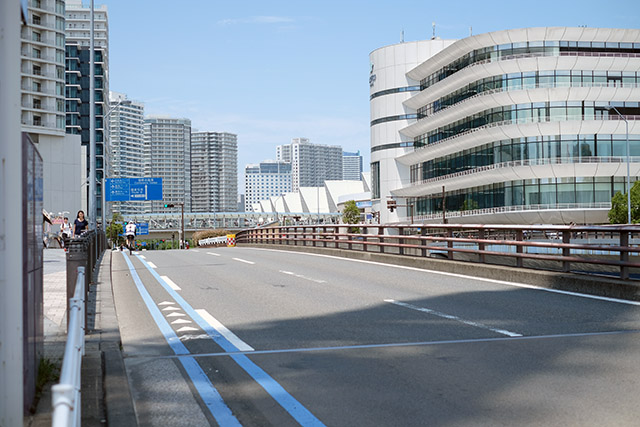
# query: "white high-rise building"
[[351, 166], [264, 180], [311, 164], [523, 126], [214, 172], [167, 152], [126, 133], [43, 105]]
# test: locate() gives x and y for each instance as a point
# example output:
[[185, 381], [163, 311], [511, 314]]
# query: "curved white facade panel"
[[508, 124]]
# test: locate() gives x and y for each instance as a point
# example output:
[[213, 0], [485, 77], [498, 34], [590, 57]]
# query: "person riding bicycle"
[[130, 231]]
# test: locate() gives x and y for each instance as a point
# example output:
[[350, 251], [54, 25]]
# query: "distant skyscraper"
[[126, 134], [352, 166], [77, 24], [167, 151], [265, 180], [214, 172], [311, 164]]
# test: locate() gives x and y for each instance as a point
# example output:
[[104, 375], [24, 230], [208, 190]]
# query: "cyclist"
[[130, 231]]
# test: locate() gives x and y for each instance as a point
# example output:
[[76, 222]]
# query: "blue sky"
[[270, 71]]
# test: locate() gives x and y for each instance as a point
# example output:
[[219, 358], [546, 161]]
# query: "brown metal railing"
[[600, 249]]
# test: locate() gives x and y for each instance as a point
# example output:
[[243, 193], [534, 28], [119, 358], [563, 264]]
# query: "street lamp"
[[611, 107]]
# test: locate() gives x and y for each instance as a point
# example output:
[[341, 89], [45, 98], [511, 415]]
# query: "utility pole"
[[182, 237]]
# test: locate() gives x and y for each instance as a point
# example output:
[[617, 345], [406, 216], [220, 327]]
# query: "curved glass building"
[[519, 126]]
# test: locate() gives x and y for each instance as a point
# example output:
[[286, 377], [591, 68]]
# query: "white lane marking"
[[142, 256], [170, 283], [176, 314], [463, 276], [166, 303], [170, 309], [243, 260], [188, 337], [187, 329], [152, 265], [452, 317], [300, 276], [222, 330], [213, 253], [180, 321], [194, 250]]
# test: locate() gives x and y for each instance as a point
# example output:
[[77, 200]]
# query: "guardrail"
[[607, 248], [66, 394], [216, 241]]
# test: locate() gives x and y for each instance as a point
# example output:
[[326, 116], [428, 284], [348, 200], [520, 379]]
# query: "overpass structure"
[[194, 221]]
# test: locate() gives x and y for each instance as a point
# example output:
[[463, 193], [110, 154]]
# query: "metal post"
[[519, 238], [444, 207], [566, 252], [183, 236], [77, 256], [11, 259], [624, 255]]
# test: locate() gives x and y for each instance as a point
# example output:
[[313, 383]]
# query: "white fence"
[[222, 240], [66, 394]]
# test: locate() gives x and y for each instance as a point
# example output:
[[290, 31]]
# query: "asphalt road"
[[262, 337]]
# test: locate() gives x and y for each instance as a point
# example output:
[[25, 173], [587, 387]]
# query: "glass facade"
[[544, 193], [552, 149], [531, 49], [529, 113], [532, 80]]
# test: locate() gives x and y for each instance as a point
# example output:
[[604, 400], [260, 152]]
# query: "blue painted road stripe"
[[301, 414], [207, 391]]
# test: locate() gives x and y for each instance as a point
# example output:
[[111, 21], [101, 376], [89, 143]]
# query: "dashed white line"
[[222, 330], [452, 317], [142, 256], [152, 265], [180, 321], [170, 283], [170, 309], [194, 250], [300, 276], [213, 253], [243, 260], [166, 303], [188, 329]]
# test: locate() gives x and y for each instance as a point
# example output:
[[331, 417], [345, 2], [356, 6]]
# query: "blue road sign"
[[142, 228], [133, 189]]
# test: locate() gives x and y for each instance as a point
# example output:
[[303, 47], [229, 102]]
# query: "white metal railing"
[[221, 240], [66, 394]]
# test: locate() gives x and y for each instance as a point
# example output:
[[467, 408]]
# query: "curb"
[[570, 282]]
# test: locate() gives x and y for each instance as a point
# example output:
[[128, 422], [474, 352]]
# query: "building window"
[[375, 180], [35, 19], [37, 121], [37, 104]]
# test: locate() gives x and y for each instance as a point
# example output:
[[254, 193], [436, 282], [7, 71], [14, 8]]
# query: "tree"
[[351, 215], [114, 230], [618, 212]]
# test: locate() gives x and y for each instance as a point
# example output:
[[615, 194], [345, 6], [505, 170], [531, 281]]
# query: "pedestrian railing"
[[66, 394], [610, 249]]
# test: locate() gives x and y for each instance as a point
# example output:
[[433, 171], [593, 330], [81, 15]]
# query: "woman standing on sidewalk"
[[80, 224]]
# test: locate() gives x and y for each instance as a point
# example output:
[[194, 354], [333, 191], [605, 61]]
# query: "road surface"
[[257, 337]]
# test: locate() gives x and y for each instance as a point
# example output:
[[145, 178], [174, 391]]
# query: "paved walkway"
[[106, 398]]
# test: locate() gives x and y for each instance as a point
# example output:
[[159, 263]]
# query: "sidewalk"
[[106, 399]]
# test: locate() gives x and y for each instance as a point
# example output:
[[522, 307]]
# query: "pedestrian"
[[80, 225], [66, 232]]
